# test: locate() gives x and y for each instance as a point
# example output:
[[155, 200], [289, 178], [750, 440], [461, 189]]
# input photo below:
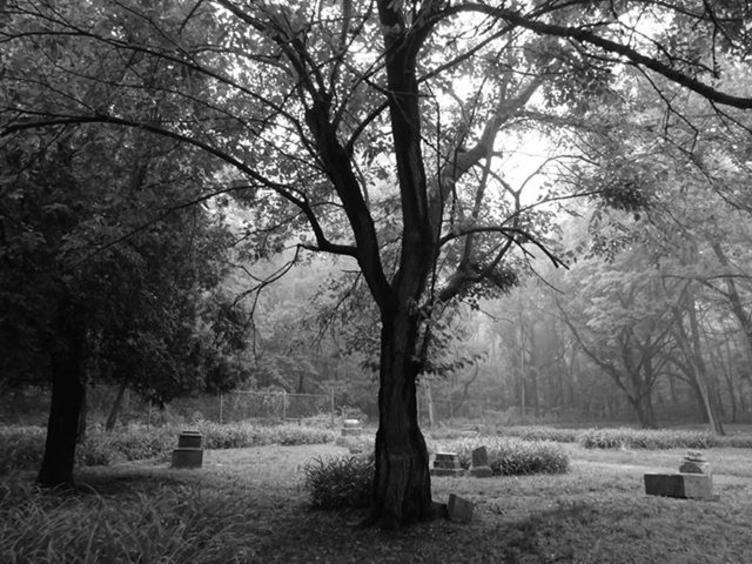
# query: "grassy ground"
[[248, 505]]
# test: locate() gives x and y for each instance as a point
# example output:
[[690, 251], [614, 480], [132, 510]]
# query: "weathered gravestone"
[[446, 464], [459, 509], [694, 480], [351, 427], [479, 467], [189, 453]]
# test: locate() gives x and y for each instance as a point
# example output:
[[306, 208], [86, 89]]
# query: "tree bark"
[[402, 482], [115, 409], [643, 407], [67, 398]]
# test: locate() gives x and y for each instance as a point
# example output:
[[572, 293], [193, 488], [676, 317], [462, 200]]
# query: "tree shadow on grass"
[[333, 536]]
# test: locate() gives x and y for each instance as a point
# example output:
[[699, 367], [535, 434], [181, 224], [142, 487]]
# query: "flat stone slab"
[[186, 457], [446, 464], [447, 472], [684, 486], [189, 439], [460, 510], [481, 471], [351, 431]]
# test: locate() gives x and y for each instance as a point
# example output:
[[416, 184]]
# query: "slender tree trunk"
[[67, 398], [83, 413], [402, 483], [115, 409]]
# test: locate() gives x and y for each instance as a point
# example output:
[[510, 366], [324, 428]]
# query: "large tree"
[[366, 128]]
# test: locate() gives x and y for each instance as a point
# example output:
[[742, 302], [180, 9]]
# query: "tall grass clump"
[[340, 482], [184, 524], [512, 457]]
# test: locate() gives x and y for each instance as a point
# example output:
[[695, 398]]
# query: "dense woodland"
[[543, 203]]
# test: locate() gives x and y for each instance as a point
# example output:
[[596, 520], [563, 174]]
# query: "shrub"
[[240, 435], [22, 448], [542, 433], [512, 457], [649, 439], [340, 482]]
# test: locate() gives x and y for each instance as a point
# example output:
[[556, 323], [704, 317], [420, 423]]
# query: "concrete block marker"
[[460, 510], [480, 467], [446, 464], [189, 453], [684, 486]]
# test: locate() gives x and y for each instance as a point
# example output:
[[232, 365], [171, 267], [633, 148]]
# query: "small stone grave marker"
[[694, 463], [189, 453], [446, 464], [460, 510], [480, 467], [351, 427]]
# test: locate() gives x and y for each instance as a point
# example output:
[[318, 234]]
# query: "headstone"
[[694, 463], [189, 453], [459, 509], [480, 467], [351, 427], [446, 464], [685, 486]]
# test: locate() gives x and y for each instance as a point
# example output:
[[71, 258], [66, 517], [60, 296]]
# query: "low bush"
[[22, 448], [542, 433], [648, 438], [340, 482], [512, 457], [241, 435]]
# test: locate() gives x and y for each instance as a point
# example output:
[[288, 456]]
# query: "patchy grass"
[[23, 447], [250, 505]]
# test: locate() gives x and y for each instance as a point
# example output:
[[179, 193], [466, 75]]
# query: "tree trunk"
[[643, 407], [115, 409], [402, 483], [83, 413], [67, 397]]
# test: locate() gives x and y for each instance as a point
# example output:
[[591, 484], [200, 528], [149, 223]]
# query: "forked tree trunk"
[[402, 483], [65, 408]]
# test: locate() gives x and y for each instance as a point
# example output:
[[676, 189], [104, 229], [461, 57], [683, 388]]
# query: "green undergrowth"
[[340, 482], [625, 437], [23, 447], [511, 457], [171, 524]]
